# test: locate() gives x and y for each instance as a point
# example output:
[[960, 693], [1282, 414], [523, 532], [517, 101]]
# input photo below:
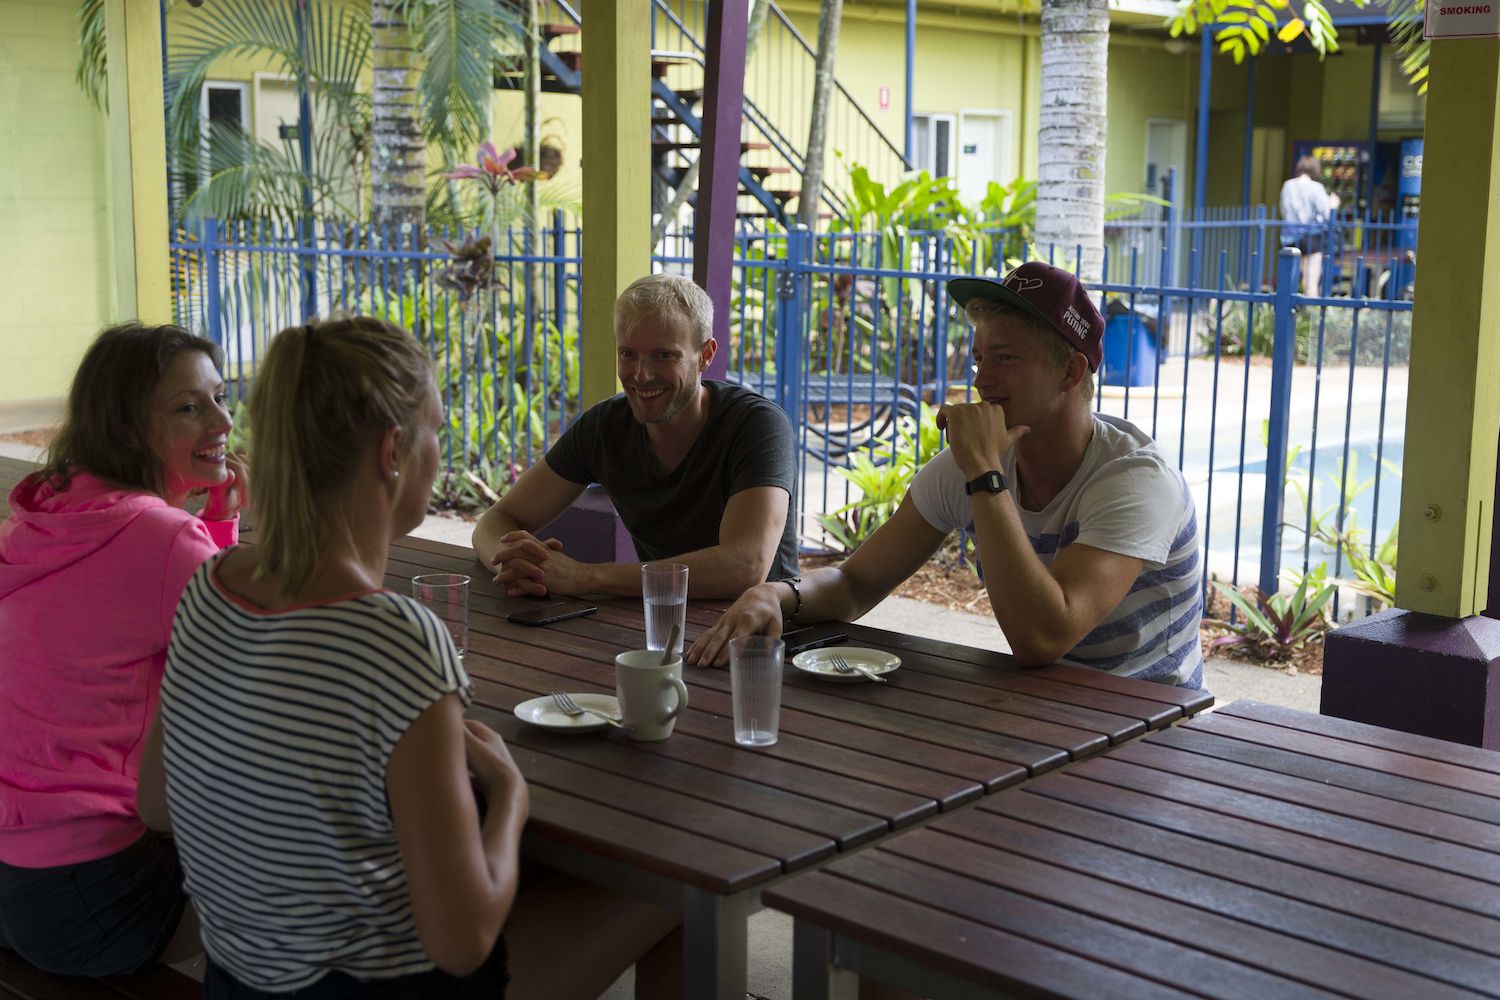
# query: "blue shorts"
[[111, 916]]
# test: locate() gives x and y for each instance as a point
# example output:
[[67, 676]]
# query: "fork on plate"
[[567, 706], [843, 666]]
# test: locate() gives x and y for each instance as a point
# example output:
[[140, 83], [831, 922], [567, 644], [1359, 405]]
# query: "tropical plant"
[[1245, 27], [1275, 627], [882, 478], [230, 174]]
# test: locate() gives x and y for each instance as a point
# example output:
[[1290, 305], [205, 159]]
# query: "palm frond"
[[337, 49], [1406, 31], [458, 40], [92, 73], [249, 179]]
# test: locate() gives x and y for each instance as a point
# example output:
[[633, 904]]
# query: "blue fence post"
[[1168, 276], [210, 250], [791, 317], [559, 274], [1283, 355]]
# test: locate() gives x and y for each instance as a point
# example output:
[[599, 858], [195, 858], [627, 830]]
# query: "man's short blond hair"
[[669, 298], [1058, 351]]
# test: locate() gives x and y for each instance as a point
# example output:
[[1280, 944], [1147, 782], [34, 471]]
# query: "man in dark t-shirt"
[[701, 472]]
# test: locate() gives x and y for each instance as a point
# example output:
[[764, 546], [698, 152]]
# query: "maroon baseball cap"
[[1052, 295]]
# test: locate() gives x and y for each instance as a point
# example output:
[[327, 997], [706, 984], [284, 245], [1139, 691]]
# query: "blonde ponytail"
[[323, 393]]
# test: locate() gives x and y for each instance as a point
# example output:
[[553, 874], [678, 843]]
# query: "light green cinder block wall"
[[54, 209]]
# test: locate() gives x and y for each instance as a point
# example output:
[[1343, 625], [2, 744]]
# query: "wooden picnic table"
[[702, 825], [1253, 852]]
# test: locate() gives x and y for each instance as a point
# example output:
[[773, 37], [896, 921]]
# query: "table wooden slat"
[[1050, 822], [1374, 758], [1201, 858], [1209, 881], [1322, 796], [1149, 938], [977, 952], [1448, 752]]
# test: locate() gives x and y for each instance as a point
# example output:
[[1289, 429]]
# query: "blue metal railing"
[[853, 334]]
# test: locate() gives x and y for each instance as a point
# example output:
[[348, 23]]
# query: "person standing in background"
[[1305, 208]]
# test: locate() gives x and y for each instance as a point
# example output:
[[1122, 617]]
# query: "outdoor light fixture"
[[1174, 46]]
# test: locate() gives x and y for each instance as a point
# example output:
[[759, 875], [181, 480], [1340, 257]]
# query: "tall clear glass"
[[755, 667], [447, 594], [664, 587]]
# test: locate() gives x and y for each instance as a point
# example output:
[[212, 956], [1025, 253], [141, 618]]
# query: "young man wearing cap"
[[1087, 536]]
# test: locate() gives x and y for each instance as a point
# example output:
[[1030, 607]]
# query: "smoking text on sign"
[[1450, 20]]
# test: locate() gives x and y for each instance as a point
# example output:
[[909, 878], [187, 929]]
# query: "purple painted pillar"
[[719, 177]]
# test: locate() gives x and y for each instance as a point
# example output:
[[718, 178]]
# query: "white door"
[[983, 152], [1166, 149]]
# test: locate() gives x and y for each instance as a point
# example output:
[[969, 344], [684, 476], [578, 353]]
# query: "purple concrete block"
[[1417, 673], [591, 530]]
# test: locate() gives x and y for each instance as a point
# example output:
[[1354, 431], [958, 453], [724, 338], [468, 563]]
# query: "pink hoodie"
[[89, 581]]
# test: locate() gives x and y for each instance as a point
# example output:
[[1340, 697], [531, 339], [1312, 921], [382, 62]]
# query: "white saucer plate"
[[543, 712], [819, 662]]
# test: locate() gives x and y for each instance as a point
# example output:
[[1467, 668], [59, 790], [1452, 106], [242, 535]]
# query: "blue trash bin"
[[1130, 344]]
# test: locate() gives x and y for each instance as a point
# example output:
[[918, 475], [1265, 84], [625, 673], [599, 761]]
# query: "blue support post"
[[1367, 182], [911, 52], [791, 315], [1283, 355], [1248, 165], [210, 249], [1200, 154], [1168, 277], [304, 144], [559, 274]]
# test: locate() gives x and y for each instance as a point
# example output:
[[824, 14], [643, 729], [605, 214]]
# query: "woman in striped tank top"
[[311, 753]]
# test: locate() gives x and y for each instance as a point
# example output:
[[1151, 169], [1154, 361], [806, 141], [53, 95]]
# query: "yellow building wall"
[[54, 208], [1146, 84]]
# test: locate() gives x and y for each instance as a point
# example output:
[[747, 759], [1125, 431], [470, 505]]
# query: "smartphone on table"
[[547, 614], [812, 637]]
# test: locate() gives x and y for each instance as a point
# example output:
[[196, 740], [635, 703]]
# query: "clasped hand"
[[527, 566], [978, 435]]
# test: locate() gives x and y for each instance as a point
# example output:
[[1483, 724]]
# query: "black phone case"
[[521, 617]]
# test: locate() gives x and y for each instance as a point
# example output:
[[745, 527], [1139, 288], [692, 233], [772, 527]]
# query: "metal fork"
[[567, 706], [843, 666]]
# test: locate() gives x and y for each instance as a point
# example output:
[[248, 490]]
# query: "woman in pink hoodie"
[[93, 559]]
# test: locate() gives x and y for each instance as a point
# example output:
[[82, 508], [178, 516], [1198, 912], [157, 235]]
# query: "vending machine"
[[1409, 185], [1344, 166]]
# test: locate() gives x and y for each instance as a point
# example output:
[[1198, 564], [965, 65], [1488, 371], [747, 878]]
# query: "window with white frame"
[[932, 137]]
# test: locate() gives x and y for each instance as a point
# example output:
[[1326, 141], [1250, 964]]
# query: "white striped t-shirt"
[[1125, 498], [278, 729]]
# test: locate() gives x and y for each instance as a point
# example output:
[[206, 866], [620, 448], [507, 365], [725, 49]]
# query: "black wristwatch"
[[990, 482]]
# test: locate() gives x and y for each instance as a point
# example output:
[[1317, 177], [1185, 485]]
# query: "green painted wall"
[[1145, 84], [54, 219]]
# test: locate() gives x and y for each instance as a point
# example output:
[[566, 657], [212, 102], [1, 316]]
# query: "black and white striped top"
[[278, 729]]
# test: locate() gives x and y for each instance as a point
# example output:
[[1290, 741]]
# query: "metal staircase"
[[778, 75]]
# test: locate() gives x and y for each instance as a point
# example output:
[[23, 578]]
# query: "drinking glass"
[[755, 667], [447, 594], [664, 589]]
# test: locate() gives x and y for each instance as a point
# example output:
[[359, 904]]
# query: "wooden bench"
[[19, 981], [1255, 852]]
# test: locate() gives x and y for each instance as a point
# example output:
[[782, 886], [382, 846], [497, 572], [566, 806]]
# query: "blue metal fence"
[[1253, 391]]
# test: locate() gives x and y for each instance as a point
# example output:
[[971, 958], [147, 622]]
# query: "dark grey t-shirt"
[[746, 443]]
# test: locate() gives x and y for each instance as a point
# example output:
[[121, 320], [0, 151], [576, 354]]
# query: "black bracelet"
[[792, 582]]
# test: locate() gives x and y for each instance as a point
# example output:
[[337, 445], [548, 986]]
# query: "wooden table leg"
[[715, 930], [813, 974]]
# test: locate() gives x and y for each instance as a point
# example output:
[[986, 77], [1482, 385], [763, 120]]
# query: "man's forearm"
[[718, 572], [494, 525], [1028, 602]]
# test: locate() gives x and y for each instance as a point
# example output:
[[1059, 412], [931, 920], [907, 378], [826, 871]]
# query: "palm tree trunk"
[[817, 132], [397, 167], [1070, 176]]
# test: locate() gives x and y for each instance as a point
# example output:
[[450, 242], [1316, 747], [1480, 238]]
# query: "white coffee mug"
[[651, 693]]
